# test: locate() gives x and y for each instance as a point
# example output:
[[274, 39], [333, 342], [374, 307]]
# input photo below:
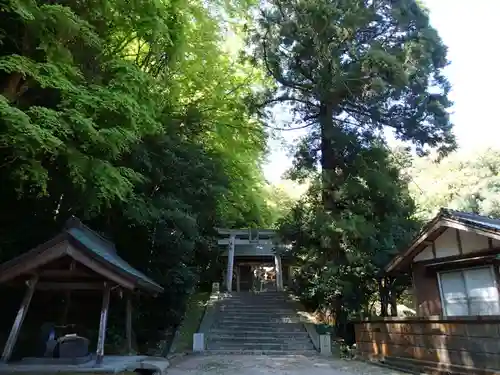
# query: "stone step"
[[306, 353], [271, 328], [258, 320], [301, 339], [256, 296], [257, 313], [248, 323], [274, 328], [261, 319], [257, 309], [224, 345], [262, 324], [287, 318], [284, 335]]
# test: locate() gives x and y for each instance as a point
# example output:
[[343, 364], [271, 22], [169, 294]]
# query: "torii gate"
[[251, 244]]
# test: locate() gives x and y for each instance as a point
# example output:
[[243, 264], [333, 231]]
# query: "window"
[[469, 292]]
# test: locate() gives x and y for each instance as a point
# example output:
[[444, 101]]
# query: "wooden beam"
[[393, 264], [101, 338], [46, 285], [63, 274], [99, 268], [18, 322], [459, 242], [128, 323], [43, 258]]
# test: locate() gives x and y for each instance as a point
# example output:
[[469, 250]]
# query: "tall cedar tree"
[[356, 65]]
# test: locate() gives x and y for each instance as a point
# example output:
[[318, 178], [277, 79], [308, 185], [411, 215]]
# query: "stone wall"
[[434, 344]]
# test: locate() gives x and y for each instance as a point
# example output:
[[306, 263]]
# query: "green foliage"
[[466, 181], [195, 308], [136, 118], [359, 64], [376, 221], [350, 70]]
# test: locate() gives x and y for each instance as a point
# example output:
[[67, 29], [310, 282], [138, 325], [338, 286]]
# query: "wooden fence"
[[433, 344]]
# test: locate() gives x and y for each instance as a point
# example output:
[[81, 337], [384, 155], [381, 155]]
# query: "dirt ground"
[[267, 365]]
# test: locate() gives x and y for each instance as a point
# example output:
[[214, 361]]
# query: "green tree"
[[356, 65], [464, 180], [136, 118], [351, 69]]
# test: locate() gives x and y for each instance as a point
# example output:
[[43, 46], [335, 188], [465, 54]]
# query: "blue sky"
[[469, 29]]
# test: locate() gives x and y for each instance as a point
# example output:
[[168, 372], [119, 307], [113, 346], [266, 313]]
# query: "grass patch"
[[195, 310]]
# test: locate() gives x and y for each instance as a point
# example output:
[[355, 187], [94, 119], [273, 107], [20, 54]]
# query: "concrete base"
[[198, 342], [325, 345]]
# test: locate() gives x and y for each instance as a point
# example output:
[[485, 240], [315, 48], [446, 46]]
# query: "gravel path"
[[267, 365]]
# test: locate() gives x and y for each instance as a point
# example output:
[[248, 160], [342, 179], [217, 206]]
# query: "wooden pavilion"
[[76, 259]]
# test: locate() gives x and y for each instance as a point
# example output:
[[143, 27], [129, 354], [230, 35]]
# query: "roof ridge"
[[74, 222], [459, 212]]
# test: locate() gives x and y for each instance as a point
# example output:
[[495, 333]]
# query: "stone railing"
[[433, 344]]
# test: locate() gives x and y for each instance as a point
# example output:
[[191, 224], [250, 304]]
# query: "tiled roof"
[[92, 245], [469, 219], [106, 252]]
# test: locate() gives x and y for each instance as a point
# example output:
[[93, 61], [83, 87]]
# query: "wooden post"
[[21, 314], [67, 299], [103, 323], [128, 327]]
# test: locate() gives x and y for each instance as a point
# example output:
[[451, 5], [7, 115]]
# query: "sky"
[[469, 29]]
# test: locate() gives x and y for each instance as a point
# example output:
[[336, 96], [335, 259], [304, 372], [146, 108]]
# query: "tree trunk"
[[11, 88], [329, 179], [384, 297], [16, 85], [327, 157], [330, 246]]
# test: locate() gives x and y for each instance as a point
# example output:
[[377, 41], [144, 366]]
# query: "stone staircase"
[[258, 323]]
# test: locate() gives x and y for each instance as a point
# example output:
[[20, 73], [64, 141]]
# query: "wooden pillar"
[[279, 273], [103, 323], [128, 324], [18, 322], [230, 264]]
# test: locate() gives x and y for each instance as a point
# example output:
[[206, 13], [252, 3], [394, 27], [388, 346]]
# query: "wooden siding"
[[435, 345]]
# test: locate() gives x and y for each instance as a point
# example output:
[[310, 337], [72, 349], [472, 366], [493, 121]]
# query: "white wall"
[[472, 242], [446, 245], [425, 254]]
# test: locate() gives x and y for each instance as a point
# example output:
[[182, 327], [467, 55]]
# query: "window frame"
[[491, 268]]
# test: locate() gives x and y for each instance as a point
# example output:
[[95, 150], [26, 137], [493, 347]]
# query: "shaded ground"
[[267, 365]]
